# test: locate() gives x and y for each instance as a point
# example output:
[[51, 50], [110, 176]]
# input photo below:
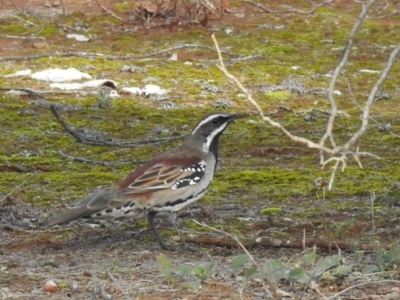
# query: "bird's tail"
[[90, 206]]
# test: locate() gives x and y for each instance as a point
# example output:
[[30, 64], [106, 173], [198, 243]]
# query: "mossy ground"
[[259, 167]]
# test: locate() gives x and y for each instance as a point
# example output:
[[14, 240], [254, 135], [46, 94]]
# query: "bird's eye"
[[215, 121]]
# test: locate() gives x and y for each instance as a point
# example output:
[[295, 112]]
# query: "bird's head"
[[206, 133]]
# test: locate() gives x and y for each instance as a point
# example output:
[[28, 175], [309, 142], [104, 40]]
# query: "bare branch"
[[338, 160], [342, 151], [309, 143], [371, 98], [312, 10], [90, 140], [26, 90], [338, 69], [362, 284], [108, 11], [259, 6], [64, 124], [306, 12]]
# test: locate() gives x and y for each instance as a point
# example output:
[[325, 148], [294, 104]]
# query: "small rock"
[[167, 105], [265, 26], [222, 103], [155, 97], [281, 26], [78, 37], [114, 94], [50, 287], [212, 88], [133, 69], [337, 92], [19, 73], [309, 118], [229, 30], [159, 129], [382, 95], [174, 57]]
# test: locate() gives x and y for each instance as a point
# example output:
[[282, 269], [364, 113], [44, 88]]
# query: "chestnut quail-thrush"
[[167, 182]]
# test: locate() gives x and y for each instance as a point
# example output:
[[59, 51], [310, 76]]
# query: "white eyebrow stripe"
[[202, 122]]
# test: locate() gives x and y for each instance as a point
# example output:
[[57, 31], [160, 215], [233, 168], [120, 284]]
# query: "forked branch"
[[338, 154]]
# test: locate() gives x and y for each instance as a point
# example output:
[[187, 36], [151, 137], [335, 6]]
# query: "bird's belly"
[[179, 203]]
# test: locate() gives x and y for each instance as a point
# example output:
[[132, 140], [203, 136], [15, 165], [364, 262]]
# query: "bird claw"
[[167, 247], [183, 246], [136, 234], [189, 247]]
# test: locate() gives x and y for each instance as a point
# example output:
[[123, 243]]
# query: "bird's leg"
[[150, 217], [172, 218]]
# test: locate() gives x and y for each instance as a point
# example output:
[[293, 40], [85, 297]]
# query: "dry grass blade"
[[18, 187]]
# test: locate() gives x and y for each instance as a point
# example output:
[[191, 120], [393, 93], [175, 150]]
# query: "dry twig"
[[362, 284], [82, 138], [306, 12], [108, 11], [18, 187]]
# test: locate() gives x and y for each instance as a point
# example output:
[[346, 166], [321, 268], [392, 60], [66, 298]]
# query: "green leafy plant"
[[165, 267], [104, 100], [340, 227]]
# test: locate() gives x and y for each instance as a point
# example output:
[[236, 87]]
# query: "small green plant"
[[104, 100], [63, 285], [202, 271], [388, 257], [165, 267], [340, 227]]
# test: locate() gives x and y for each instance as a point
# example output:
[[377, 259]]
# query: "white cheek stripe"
[[210, 138]]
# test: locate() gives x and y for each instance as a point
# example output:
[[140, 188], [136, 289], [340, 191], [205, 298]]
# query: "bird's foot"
[[190, 247], [183, 246], [136, 234], [167, 247]]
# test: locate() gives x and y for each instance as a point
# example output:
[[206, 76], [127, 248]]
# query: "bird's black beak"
[[239, 116]]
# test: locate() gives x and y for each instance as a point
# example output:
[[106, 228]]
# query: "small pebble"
[[50, 286]]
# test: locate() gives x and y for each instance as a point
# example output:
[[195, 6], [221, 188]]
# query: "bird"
[[168, 182]]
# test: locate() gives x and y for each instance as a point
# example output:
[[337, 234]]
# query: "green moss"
[[13, 29], [63, 285], [278, 95], [123, 7], [280, 49], [270, 211], [48, 30]]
